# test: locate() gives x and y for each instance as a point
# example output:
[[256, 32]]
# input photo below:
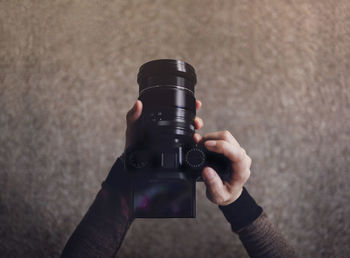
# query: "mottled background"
[[274, 73]]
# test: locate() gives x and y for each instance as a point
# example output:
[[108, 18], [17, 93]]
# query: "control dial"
[[195, 158]]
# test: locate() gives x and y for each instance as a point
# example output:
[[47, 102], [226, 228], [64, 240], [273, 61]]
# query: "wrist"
[[234, 198], [116, 175], [117, 186], [241, 212], [118, 183]]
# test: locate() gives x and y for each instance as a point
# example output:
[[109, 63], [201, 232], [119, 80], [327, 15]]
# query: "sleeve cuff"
[[241, 212]]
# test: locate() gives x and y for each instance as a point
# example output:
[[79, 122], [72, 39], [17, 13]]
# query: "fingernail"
[[210, 143]]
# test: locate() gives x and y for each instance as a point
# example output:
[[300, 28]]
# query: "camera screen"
[[164, 199]]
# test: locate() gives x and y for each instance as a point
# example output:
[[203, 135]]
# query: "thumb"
[[214, 184]]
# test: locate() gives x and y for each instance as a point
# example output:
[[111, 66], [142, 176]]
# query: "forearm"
[[259, 237], [262, 239], [101, 231]]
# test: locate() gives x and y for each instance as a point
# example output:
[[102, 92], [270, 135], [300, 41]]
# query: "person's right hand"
[[225, 192]]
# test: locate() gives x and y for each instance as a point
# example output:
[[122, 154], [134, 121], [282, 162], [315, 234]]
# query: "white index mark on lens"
[[181, 66]]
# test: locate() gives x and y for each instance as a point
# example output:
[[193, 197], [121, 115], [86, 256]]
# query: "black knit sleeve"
[[241, 212]]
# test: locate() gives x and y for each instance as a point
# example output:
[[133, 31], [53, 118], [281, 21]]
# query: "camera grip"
[[220, 163], [198, 157]]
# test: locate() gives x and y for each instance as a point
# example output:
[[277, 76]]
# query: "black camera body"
[[164, 162]]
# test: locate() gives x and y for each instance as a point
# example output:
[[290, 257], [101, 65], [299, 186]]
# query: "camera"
[[164, 162]]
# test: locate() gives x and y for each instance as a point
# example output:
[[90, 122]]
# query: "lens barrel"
[[166, 72], [166, 89]]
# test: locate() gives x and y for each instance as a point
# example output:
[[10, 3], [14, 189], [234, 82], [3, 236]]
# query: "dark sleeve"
[[259, 237], [103, 228]]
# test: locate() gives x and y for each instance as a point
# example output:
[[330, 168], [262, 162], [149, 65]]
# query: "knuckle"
[[220, 144], [226, 135], [242, 154], [223, 147], [198, 120], [246, 175], [211, 181], [249, 161], [246, 162]]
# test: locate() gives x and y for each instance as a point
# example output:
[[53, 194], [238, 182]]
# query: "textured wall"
[[274, 73]]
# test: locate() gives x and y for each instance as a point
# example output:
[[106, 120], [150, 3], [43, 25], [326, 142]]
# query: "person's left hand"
[[135, 112]]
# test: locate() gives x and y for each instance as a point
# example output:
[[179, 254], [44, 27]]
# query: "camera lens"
[[166, 72], [166, 89]]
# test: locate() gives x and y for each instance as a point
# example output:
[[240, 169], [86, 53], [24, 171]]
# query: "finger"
[[214, 184], [134, 113], [198, 104], [197, 137], [240, 160], [241, 170], [198, 123], [231, 151], [221, 135]]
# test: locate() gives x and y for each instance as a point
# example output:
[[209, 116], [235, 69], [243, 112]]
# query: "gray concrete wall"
[[274, 73]]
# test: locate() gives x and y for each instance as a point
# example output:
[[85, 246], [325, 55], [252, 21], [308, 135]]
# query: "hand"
[[219, 192], [135, 112]]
